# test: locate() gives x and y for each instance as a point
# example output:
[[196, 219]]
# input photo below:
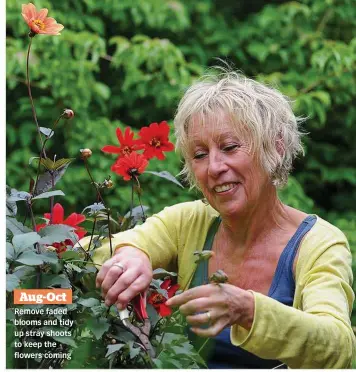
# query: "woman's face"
[[231, 179]]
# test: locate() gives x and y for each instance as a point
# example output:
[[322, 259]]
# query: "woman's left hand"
[[218, 305]]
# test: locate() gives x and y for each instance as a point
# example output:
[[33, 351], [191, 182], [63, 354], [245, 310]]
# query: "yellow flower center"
[[155, 142], [39, 24]]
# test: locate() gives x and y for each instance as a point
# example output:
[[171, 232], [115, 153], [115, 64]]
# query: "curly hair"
[[260, 115]]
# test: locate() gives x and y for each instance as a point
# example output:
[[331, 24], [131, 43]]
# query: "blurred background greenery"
[[128, 62]]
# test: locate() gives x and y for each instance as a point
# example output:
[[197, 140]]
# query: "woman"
[[288, 297]]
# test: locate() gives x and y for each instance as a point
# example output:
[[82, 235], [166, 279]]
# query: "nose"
[[217, 164]]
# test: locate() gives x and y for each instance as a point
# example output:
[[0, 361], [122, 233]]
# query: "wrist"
[[249, 311], [128, 250]]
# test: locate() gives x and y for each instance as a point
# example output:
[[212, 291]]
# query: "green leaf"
[[55, 280], [15, 226], [60, 163], [98, 326], [94, 208], [167, 176], [10, 252], [88, 302], [74, 267], [12, 282], [11, 206], [71, 255], [48, 194], [136, 213], [47, 132], [162, 272], [23, 270], [57, 233], [134, 351], [50, 257], [65, 340], [114, 348], [25, 240], [48, 180], [32, 159], [18, 195], [30, 258], [10, 315]]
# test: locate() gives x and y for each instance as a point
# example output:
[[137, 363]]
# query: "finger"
[[197, 320], [212, 331], [138, 286], [195, 306], [124, 281], [110, 278], [103, 271], [190, 294]]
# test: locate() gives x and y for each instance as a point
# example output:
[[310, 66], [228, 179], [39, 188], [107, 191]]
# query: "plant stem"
[[132, 197], [38, 274], [30, 94], [96, 264], [51, 200], [191, 277], [43, 152], [93, 182], [139, 199], [109, 230], [202, 346], [92, 234]]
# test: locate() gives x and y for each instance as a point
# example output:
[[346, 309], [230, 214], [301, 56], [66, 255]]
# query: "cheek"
[[200, 173]]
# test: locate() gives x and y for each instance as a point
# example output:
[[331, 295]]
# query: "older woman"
[[288, 297]]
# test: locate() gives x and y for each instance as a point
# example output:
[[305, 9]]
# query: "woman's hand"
[[122, 277], [218, 305]]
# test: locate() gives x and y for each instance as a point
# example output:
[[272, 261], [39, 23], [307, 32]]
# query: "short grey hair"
[[260, 114]]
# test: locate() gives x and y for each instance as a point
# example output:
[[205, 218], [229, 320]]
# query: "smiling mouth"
[[224, 188]]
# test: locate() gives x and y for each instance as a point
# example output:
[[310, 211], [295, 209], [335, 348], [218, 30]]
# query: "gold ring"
[[209, 316], [121, 266]]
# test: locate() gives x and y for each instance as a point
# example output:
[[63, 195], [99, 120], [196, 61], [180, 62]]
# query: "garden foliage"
[[127, 63]]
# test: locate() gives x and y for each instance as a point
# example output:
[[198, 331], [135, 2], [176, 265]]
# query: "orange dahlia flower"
[[38, 22]]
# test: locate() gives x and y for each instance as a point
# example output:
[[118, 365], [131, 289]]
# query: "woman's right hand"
[[119, 285]]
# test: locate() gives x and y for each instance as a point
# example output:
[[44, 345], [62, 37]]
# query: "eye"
[[231, 147], [199, 155]]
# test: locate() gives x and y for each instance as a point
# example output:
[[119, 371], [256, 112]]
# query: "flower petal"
[[29, 11], [58, 214], [164, 310], [172, 290], [42, 14], [119, 135], [111, 149], [166, 284]]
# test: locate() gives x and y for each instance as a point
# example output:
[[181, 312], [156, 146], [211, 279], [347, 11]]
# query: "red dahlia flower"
[[139, 305], [131, 165], [58, 218], [158, 301], [127, 143], [38, 22], [155, 139]]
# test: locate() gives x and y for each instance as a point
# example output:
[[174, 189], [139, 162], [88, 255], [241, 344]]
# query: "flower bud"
[[108, 184], [85, 153], [218, 277], [50, 248], [68, 113]]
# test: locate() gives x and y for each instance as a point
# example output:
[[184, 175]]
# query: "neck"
[[255, 224]]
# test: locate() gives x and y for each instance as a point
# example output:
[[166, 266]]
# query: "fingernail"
[[119, 306], [107, 303]]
